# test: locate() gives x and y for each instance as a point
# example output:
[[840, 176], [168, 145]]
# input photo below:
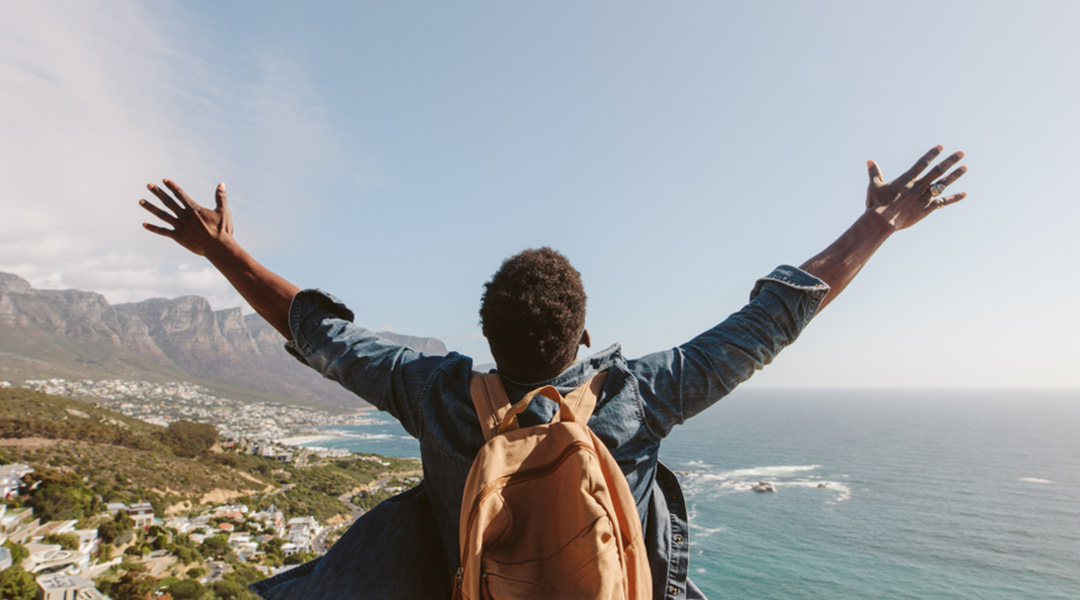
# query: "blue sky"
[[393, 155]]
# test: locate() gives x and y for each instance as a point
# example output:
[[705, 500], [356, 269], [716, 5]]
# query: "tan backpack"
[[547, 512]]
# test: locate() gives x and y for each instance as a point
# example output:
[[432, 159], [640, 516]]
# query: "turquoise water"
[[880, 494]]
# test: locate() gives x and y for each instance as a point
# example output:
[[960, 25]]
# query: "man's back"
[[532, 315], [642, 401]]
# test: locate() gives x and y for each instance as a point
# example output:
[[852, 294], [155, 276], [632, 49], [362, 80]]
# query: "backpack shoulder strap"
[[582, 401], [489, 398], [492, 405]]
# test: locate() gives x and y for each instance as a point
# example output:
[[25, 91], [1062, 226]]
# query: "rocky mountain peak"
[[10, 283], [76, 334]]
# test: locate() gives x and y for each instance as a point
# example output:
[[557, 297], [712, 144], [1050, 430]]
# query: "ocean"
[[880, 493]]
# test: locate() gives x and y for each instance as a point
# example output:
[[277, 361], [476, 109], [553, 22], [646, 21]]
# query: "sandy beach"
[[306, 440]]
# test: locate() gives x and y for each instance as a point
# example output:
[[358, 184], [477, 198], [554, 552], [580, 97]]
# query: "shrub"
[[67, 541], [16, 584], [188, 439]]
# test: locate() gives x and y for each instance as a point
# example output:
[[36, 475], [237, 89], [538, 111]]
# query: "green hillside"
[[124, 459]]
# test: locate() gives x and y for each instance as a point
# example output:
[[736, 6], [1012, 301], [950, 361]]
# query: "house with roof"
[[142, 513], [114, 507], [51, 528], [59, 586], [239, 539], [88, 540], [18, 524], [180, 524], [11, 478], [45, 559]]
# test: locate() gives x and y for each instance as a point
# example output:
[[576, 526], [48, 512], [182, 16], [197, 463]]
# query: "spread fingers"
[[157, 212], [920, 165], [940, 169], [165, 198], [181, 195], [169, 233]]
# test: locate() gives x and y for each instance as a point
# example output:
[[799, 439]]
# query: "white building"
[[180, 524], [114, 507], [52, 528], [88, 540], [46, 559], [10, 477], [142, 513], [67, 587], [17, 525]]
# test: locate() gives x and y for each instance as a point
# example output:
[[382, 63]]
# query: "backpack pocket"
[[584, 567]]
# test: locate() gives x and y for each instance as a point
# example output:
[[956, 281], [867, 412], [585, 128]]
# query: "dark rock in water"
[[764, 486]]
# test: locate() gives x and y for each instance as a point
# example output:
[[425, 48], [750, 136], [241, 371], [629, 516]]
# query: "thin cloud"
[[98, 99]]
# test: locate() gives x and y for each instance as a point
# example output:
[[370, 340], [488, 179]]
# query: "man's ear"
[[585, 341]]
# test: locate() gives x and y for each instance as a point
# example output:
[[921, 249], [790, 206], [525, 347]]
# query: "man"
[[533, 314]]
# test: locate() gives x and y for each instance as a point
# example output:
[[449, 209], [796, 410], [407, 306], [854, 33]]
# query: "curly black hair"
[[533, 314]]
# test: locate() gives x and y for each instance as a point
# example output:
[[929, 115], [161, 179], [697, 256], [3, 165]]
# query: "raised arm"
[[890, 207], [209, 233]]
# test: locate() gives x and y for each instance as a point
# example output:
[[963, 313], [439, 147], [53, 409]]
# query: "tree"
[[187, 589], [231, 590], [16, 584], [60, 496], [189, 439], [299, 558], [111, 531], [134, 585], [216, 546], [18, 552]]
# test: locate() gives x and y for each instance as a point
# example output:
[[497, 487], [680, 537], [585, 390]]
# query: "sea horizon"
[[893, 493]]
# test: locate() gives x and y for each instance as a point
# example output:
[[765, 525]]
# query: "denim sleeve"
[[679, 383], [389, 376]]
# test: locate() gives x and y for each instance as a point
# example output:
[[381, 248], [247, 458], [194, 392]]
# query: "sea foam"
[[702, 480]]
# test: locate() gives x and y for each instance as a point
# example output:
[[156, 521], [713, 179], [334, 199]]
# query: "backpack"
[[547, 512]]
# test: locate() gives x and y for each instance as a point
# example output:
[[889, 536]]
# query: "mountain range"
[[74, 334]]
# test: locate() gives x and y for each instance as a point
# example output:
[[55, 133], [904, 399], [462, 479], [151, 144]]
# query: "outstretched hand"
[[194, 226], [909, 198]]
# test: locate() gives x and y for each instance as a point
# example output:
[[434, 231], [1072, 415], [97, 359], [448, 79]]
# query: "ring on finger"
[[936, 189]]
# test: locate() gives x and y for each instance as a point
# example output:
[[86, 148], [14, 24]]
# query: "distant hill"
[[74, 334]]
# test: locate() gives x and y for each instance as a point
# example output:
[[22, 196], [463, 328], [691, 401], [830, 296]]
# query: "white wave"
[[766, 472], [704, 532], [356, 435], [842, 491], [701, 481], [1035, 480], [754, 474], [374, 436]]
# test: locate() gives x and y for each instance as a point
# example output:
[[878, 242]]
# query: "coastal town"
[[163, 403], [213, 548]]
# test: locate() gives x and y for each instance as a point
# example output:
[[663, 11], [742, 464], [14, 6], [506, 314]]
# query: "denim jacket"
[[407, 547]]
